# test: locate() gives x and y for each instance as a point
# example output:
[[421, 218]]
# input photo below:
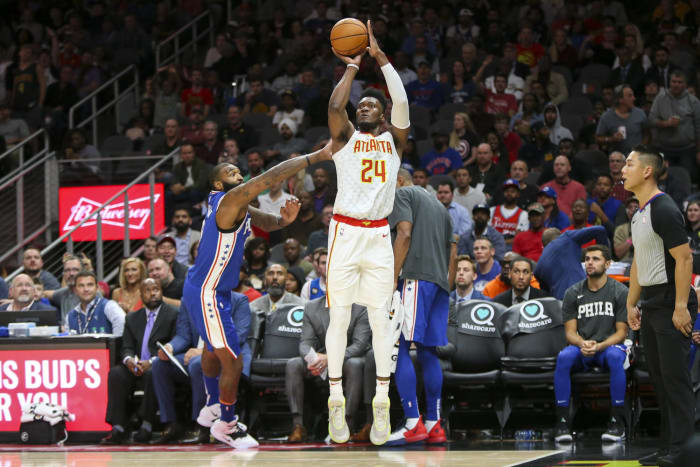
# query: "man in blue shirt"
[[442, 159], [464, 281], [487, 267], [481, 215], [559, 267], [461, 219], [607, 203], [425, 91], [553, 217]]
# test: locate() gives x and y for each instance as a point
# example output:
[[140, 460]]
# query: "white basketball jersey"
[[367, 167]]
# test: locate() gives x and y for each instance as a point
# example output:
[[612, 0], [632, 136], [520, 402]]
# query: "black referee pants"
[[666, 350]]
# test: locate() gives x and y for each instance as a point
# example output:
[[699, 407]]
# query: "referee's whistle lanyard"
[[651, 199]]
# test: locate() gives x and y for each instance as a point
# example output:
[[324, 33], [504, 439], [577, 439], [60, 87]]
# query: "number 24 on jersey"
[[373, 169]]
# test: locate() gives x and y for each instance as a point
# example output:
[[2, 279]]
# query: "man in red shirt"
[[579, 216], [529, 243], [568, 190], [196, 95], [500, 102], [616, 161], [529, 52], [508, 218]]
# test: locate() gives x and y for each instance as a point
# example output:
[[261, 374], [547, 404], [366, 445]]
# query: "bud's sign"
[[73, 378], [77, 203]]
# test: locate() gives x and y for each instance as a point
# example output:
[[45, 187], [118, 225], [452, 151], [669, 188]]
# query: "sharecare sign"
[[73, 378], [77, 203]]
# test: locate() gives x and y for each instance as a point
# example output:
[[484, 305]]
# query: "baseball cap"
[[537, 126], [535, 207], [465, 12], [166, 238], [548, 191], [511, 182], [481, 207]]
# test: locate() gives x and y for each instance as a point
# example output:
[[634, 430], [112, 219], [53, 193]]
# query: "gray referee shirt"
[[657, 227]]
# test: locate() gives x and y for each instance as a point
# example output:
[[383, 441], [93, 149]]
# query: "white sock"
[[336, 341], [336, 388], [382, 390], [429, 424], [411, 423]]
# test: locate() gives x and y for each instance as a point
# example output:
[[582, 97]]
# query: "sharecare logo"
[[77, 203]]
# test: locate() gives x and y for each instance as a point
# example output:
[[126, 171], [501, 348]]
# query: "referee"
[[660, 281]]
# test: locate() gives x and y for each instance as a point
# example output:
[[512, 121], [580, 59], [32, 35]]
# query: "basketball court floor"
[[458, 453]]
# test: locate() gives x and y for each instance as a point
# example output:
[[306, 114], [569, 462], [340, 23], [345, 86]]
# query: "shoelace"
[[337, 418], [380, 418]]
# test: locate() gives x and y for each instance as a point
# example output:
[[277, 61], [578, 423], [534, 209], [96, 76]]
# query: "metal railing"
[[118, 95], [170, 49], [35, 172], [97, 215]]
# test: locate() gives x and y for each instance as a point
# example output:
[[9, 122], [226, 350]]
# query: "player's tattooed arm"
[[234, 204], [269, 222]]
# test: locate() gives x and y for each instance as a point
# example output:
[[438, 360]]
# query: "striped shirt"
[[657, 227]]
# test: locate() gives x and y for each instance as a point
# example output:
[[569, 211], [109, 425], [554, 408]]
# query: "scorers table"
[[70, 371]]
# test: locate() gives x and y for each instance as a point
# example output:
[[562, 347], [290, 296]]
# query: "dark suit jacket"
[[506, 298], [656, 74], [200, 174], [135, 326], [635, 77], [316, 320]]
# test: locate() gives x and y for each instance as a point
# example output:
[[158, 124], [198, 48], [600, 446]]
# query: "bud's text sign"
[[77, 203], [73, 378]]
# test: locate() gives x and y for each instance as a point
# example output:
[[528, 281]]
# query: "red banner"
[[75, 379], [77, 203]]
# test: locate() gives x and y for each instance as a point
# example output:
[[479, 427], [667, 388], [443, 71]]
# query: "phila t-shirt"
[[596, 313]]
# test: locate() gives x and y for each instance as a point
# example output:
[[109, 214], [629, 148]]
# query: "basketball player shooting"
[[360, 255], [208, 286]]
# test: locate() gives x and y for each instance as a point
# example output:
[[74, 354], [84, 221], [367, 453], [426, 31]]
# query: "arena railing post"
[[152, 189], [100, 248], [127, 240], [19, 196]]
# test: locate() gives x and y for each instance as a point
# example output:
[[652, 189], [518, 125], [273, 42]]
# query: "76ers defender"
[[208, 286], [360, 257]]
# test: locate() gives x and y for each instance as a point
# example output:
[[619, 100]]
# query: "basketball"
[[349, 37]]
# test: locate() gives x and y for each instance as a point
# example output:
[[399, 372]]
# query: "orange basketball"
[[349, 37]]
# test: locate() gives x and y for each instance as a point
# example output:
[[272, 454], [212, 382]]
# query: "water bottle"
[[524, 435]]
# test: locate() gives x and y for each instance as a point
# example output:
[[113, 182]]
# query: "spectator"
[[561, 52], [295, 280], [316, 288], [553, 217], [651, 90], [611, 207], [319, 238], [244, 285], [171, 286], [529, 52], [595, 321], [293, 257], [307, 88], [465, 195], [60, 97], [23, 296], [167, 97], [421, 54], [552, 120], [528, 192], [579, 219], [539, 149], [132, 273], [306, 222], [27, 85], [258, 99], [172, 138], [464, 281], [132, 45], [497, 101], [661, 70], [511, 140], [615, 163], [442, 159], [461, 219], [481, 214], [406, 74], [676, 116], [184, 347], [231, 155], [81, 150], [625, 126], [692, 215], [167, 250], [313, 338], [553, 82], [288, 79], [520, 279], [463, 137], [149, 249], [508, 218], [153, 323], [211, 146], [486, 176], [529, 113], [420, 178], [275, 199], [196, 95], [66, 298], [566, 190], [215, 53], [93, 314], [256, 164], [425, 91], [461, 87], [323, 193], [257, 256], [622, 240], [191, 179], [275, 281], [33, 266], [487, 267], [290, 109], [464, 30], [628, 72], [515, 71], [559, 267], [13, 130], [183, 235], [529, 243], [290, 144]]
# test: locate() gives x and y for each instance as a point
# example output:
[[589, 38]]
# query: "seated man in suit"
[[520, 277], [155, 322], [464, 281], [595, 320], [22, 293], [313, 338], [186, 348]]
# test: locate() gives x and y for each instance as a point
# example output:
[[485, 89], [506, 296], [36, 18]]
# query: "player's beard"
[[229, 186], [367, 126], [596, 274]]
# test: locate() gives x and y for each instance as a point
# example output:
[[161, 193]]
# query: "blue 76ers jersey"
[[220, 253]]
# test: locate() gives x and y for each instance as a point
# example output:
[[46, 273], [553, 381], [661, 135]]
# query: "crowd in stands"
[[522, 114]]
